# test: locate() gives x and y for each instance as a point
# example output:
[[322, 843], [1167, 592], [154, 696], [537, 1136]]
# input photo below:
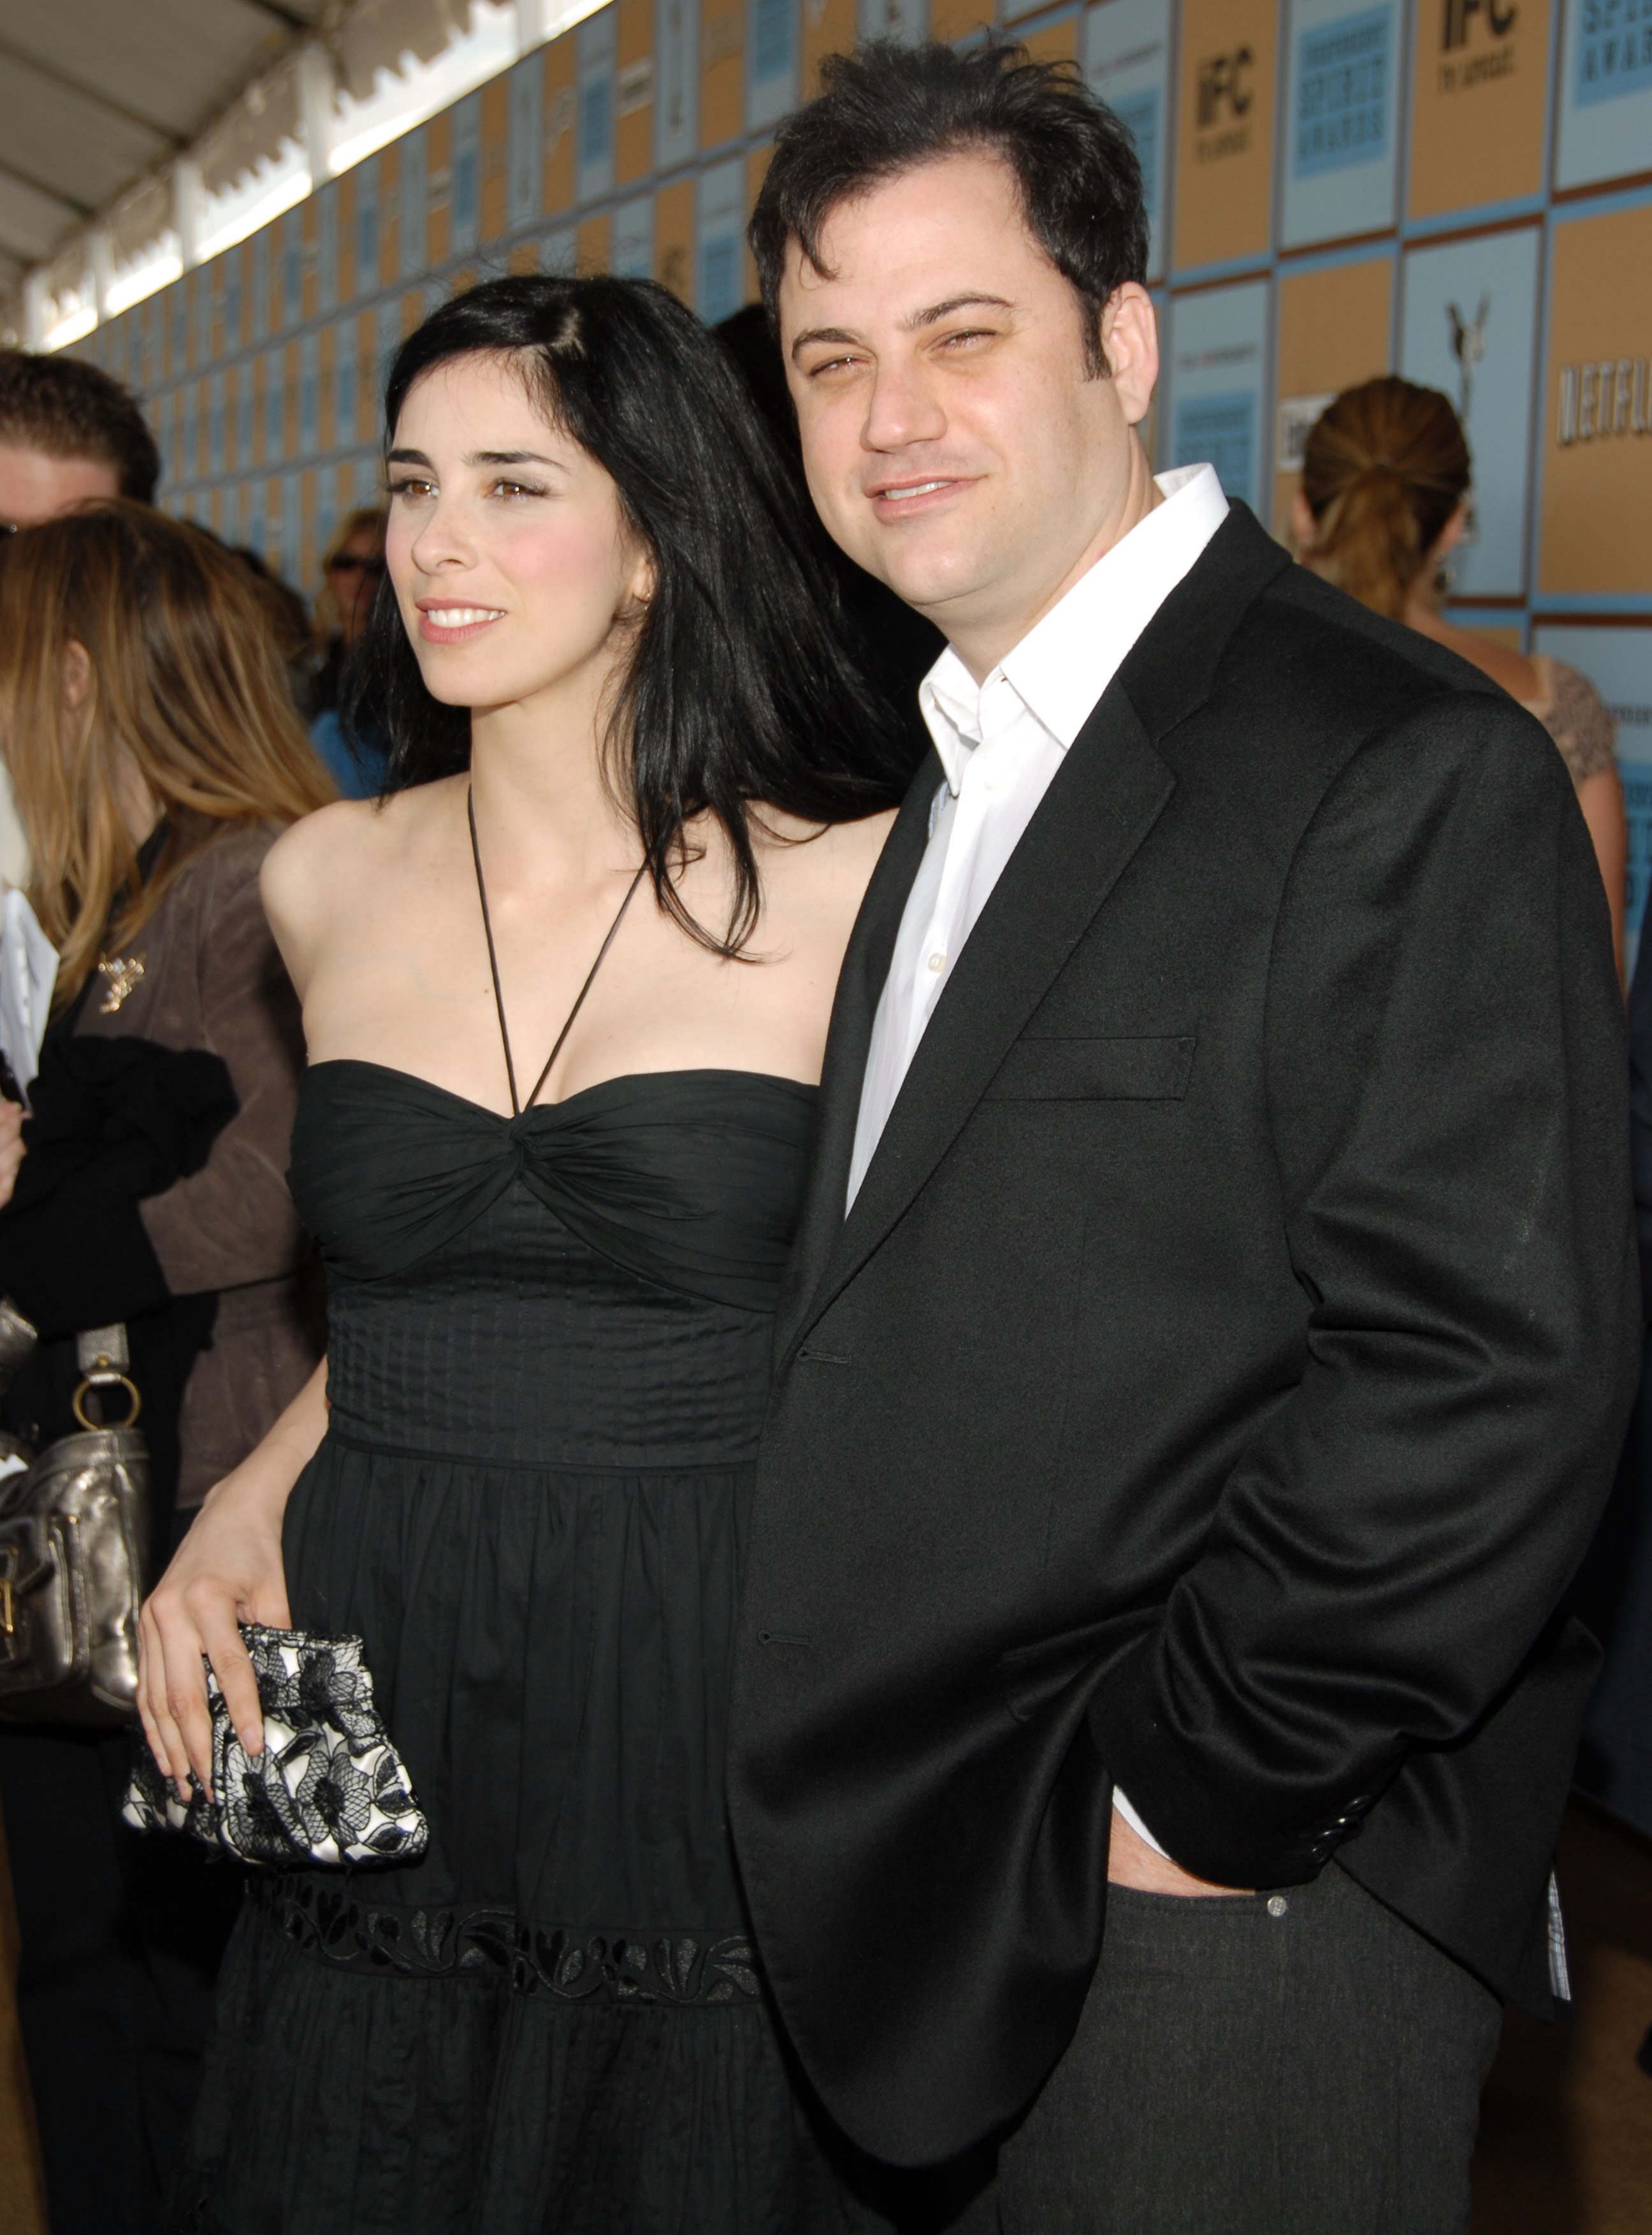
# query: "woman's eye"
[[408, 488], [516, 488]]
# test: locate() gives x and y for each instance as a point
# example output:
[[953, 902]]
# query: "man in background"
[[67, 432]]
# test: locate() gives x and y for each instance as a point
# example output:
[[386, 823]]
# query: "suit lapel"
[[1109, 791], [866, 965]]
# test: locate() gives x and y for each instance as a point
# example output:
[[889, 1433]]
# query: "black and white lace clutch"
[[329, 1786]]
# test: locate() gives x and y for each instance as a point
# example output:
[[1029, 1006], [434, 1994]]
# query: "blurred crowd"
[[168, 706]]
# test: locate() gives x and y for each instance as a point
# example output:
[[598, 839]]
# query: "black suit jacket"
[[1221, 1370]]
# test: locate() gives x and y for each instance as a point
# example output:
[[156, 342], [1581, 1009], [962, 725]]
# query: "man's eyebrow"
[[913, 323], [823, 334]]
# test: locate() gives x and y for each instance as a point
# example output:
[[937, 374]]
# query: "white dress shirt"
[[1000, 743]]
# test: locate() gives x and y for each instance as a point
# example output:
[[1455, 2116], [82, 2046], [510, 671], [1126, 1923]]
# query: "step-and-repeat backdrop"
[[1457, 189]]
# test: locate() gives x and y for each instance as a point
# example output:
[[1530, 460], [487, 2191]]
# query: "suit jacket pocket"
[[1095, 1071]]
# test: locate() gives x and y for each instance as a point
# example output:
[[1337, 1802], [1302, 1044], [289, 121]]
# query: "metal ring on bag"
[[106, 1381]]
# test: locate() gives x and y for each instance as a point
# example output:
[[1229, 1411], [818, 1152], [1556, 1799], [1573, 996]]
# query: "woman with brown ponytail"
[[1386, 474]]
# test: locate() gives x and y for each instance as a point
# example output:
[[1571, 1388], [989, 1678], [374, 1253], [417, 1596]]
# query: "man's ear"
[[1130, 343], [1303, 527]]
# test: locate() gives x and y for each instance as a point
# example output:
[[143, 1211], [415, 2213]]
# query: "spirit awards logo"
[[1468, 347], [1225, 97], [1477, 44], [1603, 401]]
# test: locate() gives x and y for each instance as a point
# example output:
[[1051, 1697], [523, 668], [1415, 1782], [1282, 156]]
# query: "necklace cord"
[[516, 1107]]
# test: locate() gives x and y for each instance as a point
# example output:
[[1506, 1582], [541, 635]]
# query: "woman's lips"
[[456, 624]]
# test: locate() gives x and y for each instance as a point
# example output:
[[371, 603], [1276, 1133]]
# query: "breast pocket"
[[1095, 1071]]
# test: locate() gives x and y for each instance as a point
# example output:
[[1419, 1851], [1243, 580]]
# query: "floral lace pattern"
[[680, 1968], [329, 1786]]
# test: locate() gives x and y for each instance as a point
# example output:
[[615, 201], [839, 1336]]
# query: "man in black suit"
[[1214, 1318]]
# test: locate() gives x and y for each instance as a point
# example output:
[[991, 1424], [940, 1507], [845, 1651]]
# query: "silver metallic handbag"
[[74, 1539]]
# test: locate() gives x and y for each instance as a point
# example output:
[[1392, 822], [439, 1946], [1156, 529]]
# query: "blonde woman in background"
[[1386, 474], [156, 756], [351, 569]]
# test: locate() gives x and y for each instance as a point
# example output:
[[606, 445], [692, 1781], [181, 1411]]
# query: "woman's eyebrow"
[[477, 458]]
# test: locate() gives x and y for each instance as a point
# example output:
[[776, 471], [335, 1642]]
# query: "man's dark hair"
[[70, 409], [740, 689], [887, 109]]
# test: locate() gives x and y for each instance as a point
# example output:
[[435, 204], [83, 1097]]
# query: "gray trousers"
[[1301, 2063]]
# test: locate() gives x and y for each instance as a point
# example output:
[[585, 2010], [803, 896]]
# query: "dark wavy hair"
[[886, 109], [741, 688]]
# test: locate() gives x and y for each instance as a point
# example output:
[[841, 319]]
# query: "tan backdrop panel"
[[633, 107], [1224, 169], [1598, 409], [829, 28], [1058, 44], [1479, 95], [956, 19], [1333, 333], [595, 251], [722, 70]]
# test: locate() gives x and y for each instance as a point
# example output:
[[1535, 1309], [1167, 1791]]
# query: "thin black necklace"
[[516, 1107]]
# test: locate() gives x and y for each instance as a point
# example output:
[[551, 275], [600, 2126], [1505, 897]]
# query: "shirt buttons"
[[993, 783], [938, 960], [1277, 1904]]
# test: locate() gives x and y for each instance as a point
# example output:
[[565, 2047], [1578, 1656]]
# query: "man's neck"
[[982, 645]]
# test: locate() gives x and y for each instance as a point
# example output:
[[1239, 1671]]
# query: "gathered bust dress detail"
[[549, 1341]]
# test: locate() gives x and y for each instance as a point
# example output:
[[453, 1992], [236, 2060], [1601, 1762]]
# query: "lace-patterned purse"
[[329, 1786]]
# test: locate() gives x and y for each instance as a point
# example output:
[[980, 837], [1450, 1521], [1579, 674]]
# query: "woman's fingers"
[[221, 1638], [184, 1710], [160, 1727]]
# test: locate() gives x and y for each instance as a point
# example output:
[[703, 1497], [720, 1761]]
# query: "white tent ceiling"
[[94, 94]]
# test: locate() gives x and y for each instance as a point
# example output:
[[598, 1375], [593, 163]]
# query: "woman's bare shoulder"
[[336, 859]]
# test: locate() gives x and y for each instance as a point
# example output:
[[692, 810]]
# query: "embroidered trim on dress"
[[643, 1967]]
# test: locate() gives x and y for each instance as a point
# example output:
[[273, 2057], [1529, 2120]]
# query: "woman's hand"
[[12, 1150], [227, 1571]]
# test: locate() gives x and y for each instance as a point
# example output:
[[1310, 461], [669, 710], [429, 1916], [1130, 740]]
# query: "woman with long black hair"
[[566, 992]]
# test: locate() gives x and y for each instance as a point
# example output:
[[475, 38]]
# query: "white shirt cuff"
[[1122, 1803]]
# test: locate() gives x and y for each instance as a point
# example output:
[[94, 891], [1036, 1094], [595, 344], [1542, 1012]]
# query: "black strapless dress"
[[548, 1358]]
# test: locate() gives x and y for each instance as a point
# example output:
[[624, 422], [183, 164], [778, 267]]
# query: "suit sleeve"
[[1445, 1094], [232, 1222]]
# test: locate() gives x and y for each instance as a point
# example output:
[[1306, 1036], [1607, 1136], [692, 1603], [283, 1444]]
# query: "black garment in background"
[[897, 646], [323, 687], [120, 1939], [1275, 2016], [1614, 1590], [119, 1936]]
